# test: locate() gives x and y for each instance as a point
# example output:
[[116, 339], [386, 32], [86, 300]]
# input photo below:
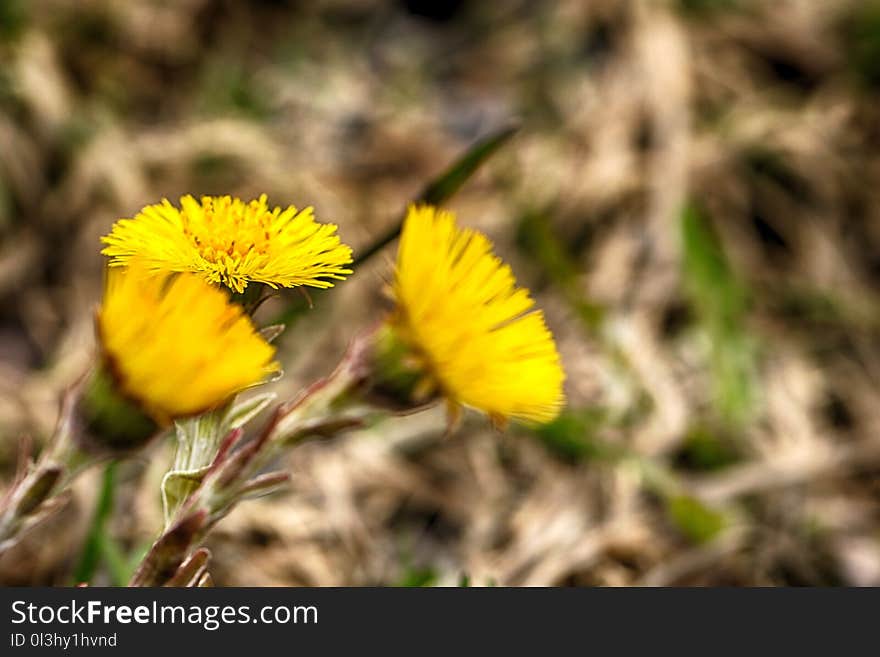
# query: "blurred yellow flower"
[[231, 242], [459, 310], [175, 344]]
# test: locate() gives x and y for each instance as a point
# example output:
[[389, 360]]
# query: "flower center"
[[223, 228]]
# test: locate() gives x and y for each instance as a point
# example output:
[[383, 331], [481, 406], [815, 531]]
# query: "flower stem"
[[40, 489], [93, 551], [327, 408]]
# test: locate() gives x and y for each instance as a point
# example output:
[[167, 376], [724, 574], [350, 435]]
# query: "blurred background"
[[692, 195]]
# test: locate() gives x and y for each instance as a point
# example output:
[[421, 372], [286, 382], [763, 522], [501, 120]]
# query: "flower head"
[[175, 344], [231, 242], [461, 314]]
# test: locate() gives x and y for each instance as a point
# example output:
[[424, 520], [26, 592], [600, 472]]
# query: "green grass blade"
[[721, 301], [94, 547], [447, 184], [436, 192]]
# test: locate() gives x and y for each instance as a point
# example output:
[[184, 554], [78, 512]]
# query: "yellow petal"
[[459, 307], [232, 243], [175, 344]]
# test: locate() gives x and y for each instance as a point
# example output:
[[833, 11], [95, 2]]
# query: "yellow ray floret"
[[175, 344], [231, 242], [458, 306]]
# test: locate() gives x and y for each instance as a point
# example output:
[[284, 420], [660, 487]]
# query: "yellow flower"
[[232, 242], [459, 309], [175, 344]]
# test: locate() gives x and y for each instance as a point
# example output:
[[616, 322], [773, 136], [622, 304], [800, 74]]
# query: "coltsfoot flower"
[[176, 345], [469, 332], [232, 243]]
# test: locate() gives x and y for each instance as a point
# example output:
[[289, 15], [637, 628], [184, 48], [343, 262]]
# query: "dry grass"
[[723, 362]]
